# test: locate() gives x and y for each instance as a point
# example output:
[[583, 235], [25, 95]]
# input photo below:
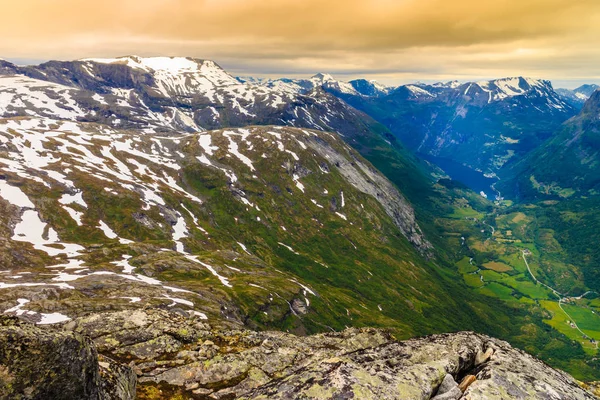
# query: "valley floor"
[[504, 254]]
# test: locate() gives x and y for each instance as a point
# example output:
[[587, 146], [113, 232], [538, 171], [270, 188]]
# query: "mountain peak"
[[450, 84], [369, 87], [502, 88], [378, 84], [586, 89], [322, 77], [173, 65], [516, 83]]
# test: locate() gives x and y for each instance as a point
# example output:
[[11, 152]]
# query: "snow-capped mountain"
[[171, 95], [488, 91], [369, 88], [577, 97], [449, 84], [566, 164], [113, 187], [480, 124], [145, 93], [501, 89], [327, 82]]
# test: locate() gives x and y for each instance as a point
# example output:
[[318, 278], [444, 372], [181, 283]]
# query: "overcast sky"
[[393, 41]]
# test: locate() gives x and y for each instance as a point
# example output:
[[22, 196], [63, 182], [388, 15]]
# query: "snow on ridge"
[[500, 89], [79, 149], [31, 229], [211, 269], [322, 77], [180, 231], [108, 232], [233, 149], [170, 64], [21, 92], [417, 91], [76, 198]]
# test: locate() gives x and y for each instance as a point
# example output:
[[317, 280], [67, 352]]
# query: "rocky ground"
[[170, 355]]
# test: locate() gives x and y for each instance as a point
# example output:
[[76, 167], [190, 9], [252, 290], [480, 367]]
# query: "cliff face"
[[175, 356]]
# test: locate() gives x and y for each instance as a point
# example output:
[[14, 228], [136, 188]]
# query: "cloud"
[[435, 37]]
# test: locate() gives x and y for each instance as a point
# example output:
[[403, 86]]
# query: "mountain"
[[174, 95], [587, 90], [578, 96], [369, 88], [567, 163], [482, 125], [358, 87], [238, 223], [162, 94]]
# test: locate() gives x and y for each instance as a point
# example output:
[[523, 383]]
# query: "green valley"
[[507, 253]]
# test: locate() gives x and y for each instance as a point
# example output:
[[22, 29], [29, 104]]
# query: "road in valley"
[[561, 297]]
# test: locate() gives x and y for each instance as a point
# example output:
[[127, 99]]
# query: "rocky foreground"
[[160, 354]]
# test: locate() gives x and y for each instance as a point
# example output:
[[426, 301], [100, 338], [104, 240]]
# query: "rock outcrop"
[[174, 355], [37, 363]]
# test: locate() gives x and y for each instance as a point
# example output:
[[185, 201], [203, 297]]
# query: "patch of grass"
[[473, 280], [465, 267], [497, 266], [561, 322], [587, 320], [466, 212], [494, 289]]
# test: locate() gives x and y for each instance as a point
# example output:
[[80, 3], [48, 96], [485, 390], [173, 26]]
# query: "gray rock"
[[483, 356], [199, 361], [38, 363], [356, 363], [452, 394], [447, 385]]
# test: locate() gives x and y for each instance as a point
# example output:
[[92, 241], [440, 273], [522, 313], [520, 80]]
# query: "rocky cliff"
[[177, 356]]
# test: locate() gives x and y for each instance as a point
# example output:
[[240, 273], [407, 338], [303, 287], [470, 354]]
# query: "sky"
[[393, 41]]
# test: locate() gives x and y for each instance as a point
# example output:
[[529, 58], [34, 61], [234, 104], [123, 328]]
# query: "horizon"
[[339, 76]]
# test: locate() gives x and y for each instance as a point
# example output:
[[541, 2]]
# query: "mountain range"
[[299, 205], [579, 95]]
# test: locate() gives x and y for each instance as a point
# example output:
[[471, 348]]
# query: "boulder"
[[45, 363]]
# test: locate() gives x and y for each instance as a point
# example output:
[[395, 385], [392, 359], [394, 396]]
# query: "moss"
[[319, 392]]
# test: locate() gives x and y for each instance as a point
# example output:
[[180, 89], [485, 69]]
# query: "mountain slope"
[[174, 95], [482, 125], [264, 226], [564, 172], [578, 96], [565, 164]]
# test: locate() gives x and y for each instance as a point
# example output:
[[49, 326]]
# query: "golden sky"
[[390, 40]]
